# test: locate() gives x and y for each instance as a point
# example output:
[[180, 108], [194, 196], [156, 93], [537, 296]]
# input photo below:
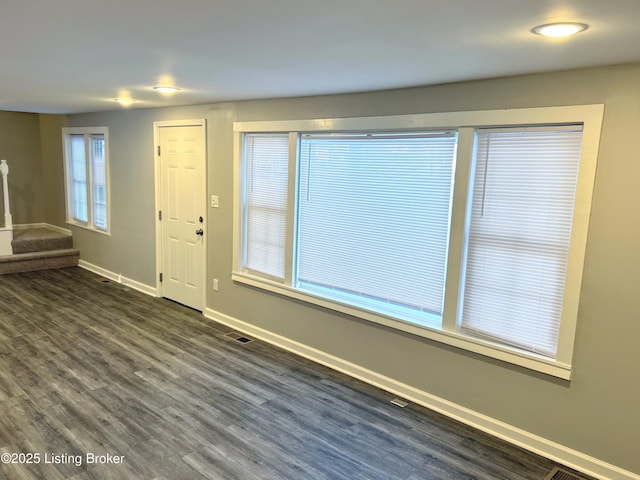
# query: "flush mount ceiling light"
[[558, 30], [125, 102], [166, 89]]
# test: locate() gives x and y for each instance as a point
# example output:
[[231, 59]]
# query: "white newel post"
[[4, 170]]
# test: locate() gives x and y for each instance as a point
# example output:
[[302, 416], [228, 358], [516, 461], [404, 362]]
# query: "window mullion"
[[290, 247], [461, 189]]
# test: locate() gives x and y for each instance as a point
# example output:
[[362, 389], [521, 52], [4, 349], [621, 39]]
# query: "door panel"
[[183, 191]]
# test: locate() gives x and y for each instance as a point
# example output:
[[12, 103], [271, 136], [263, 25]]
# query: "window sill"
[[86, 227], [453, 338]]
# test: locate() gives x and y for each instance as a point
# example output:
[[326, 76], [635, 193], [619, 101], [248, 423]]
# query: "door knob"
[[200, 232]]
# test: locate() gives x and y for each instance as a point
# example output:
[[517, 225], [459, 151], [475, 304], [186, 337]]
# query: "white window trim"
[[70, 220], [590, 116]]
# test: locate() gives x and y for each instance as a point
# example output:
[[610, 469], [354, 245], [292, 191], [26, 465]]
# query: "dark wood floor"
[[93, 367]]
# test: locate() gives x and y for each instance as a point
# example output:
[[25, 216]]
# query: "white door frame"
[[200, 122]]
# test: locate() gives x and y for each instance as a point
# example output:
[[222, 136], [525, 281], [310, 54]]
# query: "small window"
[[519, 235], [266, 204], [86, 174]]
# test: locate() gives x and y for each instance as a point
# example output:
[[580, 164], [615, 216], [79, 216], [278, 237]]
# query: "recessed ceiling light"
[[125, 102], [557, 30], [166, 89]]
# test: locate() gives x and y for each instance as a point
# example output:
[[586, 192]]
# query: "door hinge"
[[161, 278], [158, 150], [159, 214]]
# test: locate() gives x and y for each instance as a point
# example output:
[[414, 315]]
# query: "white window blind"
[[519, 235], [267, 158], [79, 178], [373, 220], [99, 181]]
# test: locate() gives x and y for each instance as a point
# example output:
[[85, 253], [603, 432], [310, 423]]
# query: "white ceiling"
[[69, 56]]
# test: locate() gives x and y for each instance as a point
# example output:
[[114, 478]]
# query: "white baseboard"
[[529, 441], [117, 277], [25, 226]]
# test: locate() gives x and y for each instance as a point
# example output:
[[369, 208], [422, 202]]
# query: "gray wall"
[[130, 248], [597, 413], [20, 147], [52, 193]]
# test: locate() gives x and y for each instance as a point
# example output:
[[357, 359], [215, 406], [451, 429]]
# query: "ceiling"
[[71, 56]]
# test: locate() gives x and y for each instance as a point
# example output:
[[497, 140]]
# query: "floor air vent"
[[560, 474], [398, 402], [238, 338]]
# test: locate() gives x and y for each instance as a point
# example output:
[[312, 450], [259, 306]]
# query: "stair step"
[[40, 240], [27, 262]]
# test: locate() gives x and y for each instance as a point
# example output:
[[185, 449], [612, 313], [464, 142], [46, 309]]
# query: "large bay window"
[[466, 228]]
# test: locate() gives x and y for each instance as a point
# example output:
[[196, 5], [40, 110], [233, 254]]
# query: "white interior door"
[[183, 208]]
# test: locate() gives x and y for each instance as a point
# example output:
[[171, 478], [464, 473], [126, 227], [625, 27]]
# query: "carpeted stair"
[[39, 248]]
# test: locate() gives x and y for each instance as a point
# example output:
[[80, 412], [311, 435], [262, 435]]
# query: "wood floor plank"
[[88, 366]]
